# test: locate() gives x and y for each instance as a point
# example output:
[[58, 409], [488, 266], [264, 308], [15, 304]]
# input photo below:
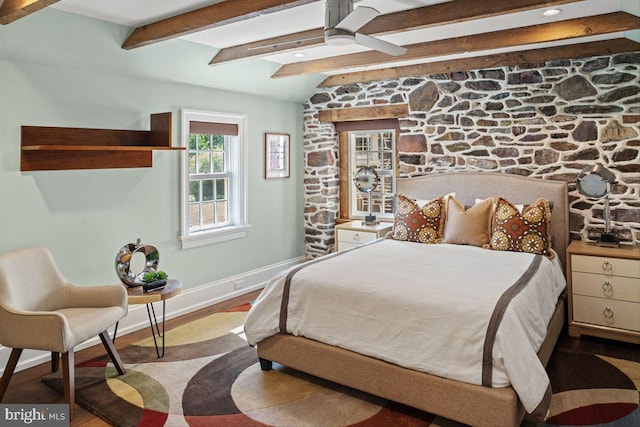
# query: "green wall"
[[59, 69]]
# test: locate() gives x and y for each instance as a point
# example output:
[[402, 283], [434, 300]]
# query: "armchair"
[[41, 310]]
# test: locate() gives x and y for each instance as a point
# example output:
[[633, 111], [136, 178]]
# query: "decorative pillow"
[[529, 231], [417, 222], [470, 226]]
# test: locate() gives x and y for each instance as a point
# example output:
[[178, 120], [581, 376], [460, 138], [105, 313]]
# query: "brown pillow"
[[470, 226], [529, 231], [415, 222]]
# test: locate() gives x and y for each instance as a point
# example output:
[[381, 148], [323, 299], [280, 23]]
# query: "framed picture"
[[276, 155]]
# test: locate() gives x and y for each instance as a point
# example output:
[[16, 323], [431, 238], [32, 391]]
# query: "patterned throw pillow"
[[529, 231], [417, 222]]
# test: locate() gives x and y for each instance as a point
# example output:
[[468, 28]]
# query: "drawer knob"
[[356, 237], [608, 315], [607, 289], [607, 268]]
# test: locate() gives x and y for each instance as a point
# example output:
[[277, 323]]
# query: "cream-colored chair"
[[41, 310]]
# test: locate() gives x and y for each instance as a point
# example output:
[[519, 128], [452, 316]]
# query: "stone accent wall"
[[546, 120]]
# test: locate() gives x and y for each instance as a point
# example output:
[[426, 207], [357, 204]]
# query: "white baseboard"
[[189, 300]]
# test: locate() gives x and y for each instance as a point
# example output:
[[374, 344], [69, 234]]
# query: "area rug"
[[209, 376]]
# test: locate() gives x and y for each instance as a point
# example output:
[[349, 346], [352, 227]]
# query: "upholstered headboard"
[[517, 189]]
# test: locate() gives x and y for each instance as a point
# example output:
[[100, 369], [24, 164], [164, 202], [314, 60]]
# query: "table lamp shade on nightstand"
[[366, 180], [595, 181]]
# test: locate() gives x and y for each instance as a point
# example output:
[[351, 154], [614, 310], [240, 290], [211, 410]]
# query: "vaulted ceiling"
[[440, 36]]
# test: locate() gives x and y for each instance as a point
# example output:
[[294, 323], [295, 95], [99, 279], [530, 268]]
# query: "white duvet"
[[424, 307]]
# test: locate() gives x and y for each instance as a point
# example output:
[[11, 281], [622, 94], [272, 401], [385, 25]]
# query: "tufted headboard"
[[517, 189]]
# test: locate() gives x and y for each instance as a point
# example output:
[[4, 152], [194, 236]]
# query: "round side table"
[[135, 295]]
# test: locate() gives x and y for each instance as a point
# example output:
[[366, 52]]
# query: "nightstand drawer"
[[604, 312], [356, 237], [606, 266], [613, 287]]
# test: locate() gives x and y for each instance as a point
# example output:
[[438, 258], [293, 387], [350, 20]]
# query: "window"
[[368, 143], [213, 178], [375, 149]]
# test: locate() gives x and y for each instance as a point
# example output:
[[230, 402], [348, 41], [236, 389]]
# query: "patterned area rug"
[[211, 377]]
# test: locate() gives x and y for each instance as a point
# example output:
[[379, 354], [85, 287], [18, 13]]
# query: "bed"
[[463, 397]]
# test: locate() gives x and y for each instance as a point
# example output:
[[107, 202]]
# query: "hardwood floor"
[[26, 386]]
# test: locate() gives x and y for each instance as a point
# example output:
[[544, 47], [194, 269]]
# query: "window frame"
[[346, 180], [392, 172], [237, 191]]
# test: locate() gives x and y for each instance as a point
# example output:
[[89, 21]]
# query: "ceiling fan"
[[342, 22]]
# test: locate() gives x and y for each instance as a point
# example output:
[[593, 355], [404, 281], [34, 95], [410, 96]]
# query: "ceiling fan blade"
[[380, 45], [357, 19]]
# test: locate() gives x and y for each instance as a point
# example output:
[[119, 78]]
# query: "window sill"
[[209, 237]]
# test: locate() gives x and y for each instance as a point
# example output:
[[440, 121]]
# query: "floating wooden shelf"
[[60, 148]]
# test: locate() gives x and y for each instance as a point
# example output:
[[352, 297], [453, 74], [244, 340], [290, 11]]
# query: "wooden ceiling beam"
[[428, 16], [580, 50], [16, 9], [215, 15], [555, 31]]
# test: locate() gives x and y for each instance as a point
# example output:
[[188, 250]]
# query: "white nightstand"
[[354, 233], [604, 291]]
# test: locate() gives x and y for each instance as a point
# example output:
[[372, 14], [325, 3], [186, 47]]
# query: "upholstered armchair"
[[41, 310]]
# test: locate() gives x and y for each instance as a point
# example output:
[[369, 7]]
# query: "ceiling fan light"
[[551, 12], [340, 40]]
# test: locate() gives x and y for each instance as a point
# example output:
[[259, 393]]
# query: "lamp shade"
[[366, 179], [594, 181]]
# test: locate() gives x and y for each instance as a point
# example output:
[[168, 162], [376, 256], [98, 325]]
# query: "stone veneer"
[[546, 120]]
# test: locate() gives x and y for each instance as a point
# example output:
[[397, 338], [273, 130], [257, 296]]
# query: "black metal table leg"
[[155, 332]]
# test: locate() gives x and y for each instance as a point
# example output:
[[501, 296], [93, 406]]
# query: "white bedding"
[[424, 307]]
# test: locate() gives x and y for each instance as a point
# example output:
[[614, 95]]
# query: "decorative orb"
[[134, 260]]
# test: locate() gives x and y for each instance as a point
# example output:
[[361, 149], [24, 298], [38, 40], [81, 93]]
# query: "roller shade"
[[209, 128]]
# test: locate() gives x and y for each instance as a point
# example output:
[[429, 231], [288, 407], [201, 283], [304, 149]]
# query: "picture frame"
[[276, 155]]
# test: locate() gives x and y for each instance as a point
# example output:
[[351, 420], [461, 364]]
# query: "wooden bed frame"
[[463, 402]]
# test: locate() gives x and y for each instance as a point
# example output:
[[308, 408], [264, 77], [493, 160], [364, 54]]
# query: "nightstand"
[[354, 233], [603, 285]]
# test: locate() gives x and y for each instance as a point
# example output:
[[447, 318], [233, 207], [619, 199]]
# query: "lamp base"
[[370, 220], [608, 240]]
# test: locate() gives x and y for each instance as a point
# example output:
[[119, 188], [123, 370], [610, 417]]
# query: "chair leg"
[[55, 361], [113, 353], [68, 375], [8, 371]]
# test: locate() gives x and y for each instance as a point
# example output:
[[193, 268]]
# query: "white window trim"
[[238, 191], [352, 161]]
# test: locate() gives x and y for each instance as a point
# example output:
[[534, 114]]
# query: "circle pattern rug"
[[209, 376]]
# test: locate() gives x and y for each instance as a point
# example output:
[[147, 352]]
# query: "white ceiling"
[[135, 13]]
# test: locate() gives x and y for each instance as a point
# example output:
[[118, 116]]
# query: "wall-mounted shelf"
[[60, 148]]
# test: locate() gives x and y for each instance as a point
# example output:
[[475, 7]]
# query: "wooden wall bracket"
[[61, 148]]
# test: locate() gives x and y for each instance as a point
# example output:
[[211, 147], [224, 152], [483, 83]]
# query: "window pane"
[[194, 191], [192, 163], [387, 141], [208, 214], [387, 160], [386, 184], [192, 141], [207, 190], [204, 162], [218, 162], [218, 142], [221, 189], [194, 215], [204, 142], [222, 211]]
